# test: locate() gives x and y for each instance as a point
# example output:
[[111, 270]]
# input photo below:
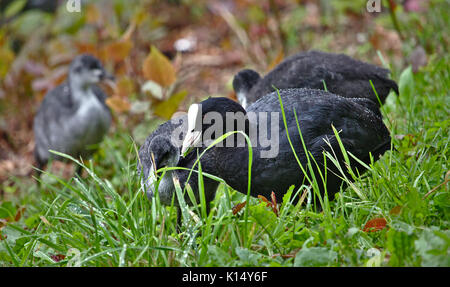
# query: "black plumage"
[[73, 117], [361, 131], [341, 74]]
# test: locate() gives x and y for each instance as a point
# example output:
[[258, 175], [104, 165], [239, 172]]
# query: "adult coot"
[[73, 117], [341, 74], [275, 167]]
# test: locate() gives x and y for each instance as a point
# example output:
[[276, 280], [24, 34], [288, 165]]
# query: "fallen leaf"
[[118, 104], [57, 257], [118, 51], [375, 224], [125, 87], [238, 207], [158, 68], [19, 213]]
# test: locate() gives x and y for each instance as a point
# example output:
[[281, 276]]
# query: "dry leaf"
[[238, 207], [158, 68], [57, 257], [19, 213], [118, 104], [92, 14], [125, 87], [274, 203], [375, 224], [118, 51]]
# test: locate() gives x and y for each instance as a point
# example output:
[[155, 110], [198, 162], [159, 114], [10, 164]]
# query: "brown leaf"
[[396, 210], [238, 207], [125, 87], [118, 51], [274, 203], [375, 224], [118, 104], [158, 68], [92, 14], [57, 257], [19, 213], [263, 198]]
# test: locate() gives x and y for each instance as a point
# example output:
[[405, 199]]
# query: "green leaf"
[[15, 7], [167, 108], [7, 210], [401, 247], [434, 248], [248, 257], [315, 257], [264, 216]]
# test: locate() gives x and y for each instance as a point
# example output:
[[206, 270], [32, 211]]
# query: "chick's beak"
[[109, 80], [107, 76]]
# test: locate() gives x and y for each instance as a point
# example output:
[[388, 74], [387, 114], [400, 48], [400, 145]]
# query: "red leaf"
[[263, 198], [274, 203], [375, 224], [238, 207], [57, 257]]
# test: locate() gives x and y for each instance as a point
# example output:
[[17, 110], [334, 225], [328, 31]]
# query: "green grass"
[[104, 219]]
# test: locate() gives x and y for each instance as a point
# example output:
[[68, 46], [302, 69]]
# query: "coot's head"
[[242, 83], [86, 70], [160, 153], [210, 119]]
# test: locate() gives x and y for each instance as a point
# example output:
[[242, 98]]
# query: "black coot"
[[274, 167], [73, 117], [341, 74]]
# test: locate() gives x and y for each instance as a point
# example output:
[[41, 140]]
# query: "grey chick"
[[73, 117]]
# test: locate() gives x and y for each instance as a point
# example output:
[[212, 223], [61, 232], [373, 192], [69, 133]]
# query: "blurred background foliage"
[[167, 54]]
